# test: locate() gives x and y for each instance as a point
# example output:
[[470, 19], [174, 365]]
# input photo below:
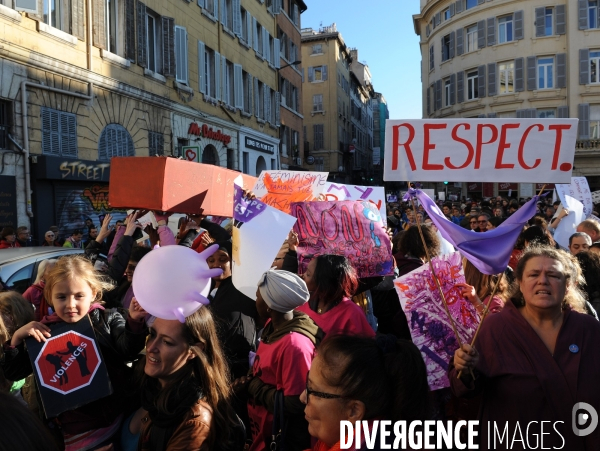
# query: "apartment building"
[[87, 80], [514, 58], [380, 115]]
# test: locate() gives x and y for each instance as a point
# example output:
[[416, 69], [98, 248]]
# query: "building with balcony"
[[380, 115], [514, 59], [87, 80]]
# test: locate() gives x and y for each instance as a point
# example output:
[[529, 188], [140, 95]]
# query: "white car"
[[18, 266]]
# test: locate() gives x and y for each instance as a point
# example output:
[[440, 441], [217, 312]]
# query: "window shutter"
[[256, 98], [481, 82], [250, 90], [438, 95], [438, 19], [584, 120], [452, 89], [255, 34], [225, 82], [99, 24], [480, 2], [459, 6], [201, 4], [481, 34], [561, 23], [168, 32], [520, 114], [491, 79], [238, 86], [78, 19], [480, 116], [444, 51], [452, 40], [217, 75], [277, 112], [50, 135], [142, 35], [584, 66], [519, 76], [583, 16], [130, 30], [540, 22], [223, 12], [563, 112], [296, 15], [267, 103], [429, 101], [518, 25], [277, 53], [561, 70], [531, 73], [215, 13], [249, 23], [181, 55], [265, 41], [491, 31], [237, 17], [68, 131], [452, 9], [459, 41], [201, 66], [311, 74], [460, 87]]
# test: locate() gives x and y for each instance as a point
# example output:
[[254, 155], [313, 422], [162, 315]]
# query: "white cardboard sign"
[[579, 190], [476, 150], [373, 194]]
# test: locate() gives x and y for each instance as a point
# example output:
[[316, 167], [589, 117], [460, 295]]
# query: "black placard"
[[261, 146]]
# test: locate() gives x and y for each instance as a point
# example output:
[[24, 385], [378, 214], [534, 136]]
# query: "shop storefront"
[[508, 190], [67, 192], [474, 191], [258, 152]]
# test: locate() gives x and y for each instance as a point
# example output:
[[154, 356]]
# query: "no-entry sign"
[[478, 150], [68, 367]]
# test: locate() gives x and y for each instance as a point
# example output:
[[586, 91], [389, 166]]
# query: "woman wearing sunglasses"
[[50, 239], [339, 386]]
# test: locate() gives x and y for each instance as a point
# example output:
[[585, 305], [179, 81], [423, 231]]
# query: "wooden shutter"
[[452, 89], [492, 91], [561, 22], [50, 132], [438, 19], [583, 16], [217, 75], [459, 6], [438, 95], [540, 22], [249, 23], [520, 114], [491, 31], [168, 36], [181, 54], [142, 35], [201, 66], [277, 53], [452, 43], [518, 25], [459, 41], [201, 4], [78, 19], [519, 76], [265, 42], [99, 24], [277, 111], [429, 101], [311, 74], [460, 87], [481, 34], [237, 17], [492, 115], [238, 86], [561, 70], [68, 132], [481, 82], [444, 50], [584, 66], [267, 103], [255, 34], [215, 13], [223, 13], [256, 99], [250, 90], [584, 120], [452, 9], [563, 112], [130, 30], [531, 73], [225, 88], [296, 15]]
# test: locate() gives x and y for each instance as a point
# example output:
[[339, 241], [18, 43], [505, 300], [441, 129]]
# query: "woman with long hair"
[[186, 388], [478, 289]]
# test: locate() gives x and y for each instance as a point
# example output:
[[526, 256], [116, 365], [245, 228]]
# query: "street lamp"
[[291, 64]]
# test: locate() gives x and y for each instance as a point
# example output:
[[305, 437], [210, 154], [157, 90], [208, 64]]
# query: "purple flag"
[[488, 251]]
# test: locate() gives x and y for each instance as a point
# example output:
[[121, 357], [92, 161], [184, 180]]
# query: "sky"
[[383, 33]]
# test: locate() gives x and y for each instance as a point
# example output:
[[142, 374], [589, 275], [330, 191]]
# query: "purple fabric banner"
[[350, 228], [488, 251]]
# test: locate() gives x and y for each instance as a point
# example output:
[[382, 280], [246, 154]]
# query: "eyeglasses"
[[49, 236], [318, 393], [482, 222]]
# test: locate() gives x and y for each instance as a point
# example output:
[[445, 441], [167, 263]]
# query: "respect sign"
[[473, 150]]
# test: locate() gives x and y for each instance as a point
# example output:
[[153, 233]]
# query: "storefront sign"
[[209, 133], [8, 201], [55, 168], [191, 153], [261, 146], [508, 186], [474, 187]]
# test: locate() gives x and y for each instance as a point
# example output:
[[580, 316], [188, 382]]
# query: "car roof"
[[18, 253]]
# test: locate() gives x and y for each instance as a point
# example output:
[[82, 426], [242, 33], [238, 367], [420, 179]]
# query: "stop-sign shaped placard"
[[68, 367], [68, 362]]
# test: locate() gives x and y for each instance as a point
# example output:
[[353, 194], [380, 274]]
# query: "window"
[[4, 123], [318, 136], [317, 73], [210, 71], [245, 162], [115, 141], [546, 113], [472, 44], [507, 77], [53, 13], [447, 91], [317, 49], [472, 85], [319, 164], [111, 15], [593, 13], [284, 137], [153, 42], [594, 66], [156, 144], [227, 14], [59, 133], [247, 91], [431, 58], [210, 155], [210, 7], [258, 38], [594, 121], [446, 14], [318, 102], [181, 55], [259, 110], [246, 22], [446, 48], [545, 73], [549, 21], [505, 29], [228, 84], [181, 143], [471, 4]]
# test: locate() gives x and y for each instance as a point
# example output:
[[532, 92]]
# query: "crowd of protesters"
[[283, 369]]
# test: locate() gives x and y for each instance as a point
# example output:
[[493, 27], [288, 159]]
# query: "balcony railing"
[[587, 144]]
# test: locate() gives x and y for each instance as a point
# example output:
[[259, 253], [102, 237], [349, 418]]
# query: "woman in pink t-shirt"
[[332, 281]]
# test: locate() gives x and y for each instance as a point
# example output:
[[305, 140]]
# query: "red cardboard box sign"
[[172, 185]]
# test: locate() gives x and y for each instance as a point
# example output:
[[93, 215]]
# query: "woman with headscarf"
[[282, 361]]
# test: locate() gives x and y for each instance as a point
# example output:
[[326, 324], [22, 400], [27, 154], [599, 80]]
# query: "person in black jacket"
[[73, 289]]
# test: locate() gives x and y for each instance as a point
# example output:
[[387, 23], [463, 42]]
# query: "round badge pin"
[[574, 349]]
